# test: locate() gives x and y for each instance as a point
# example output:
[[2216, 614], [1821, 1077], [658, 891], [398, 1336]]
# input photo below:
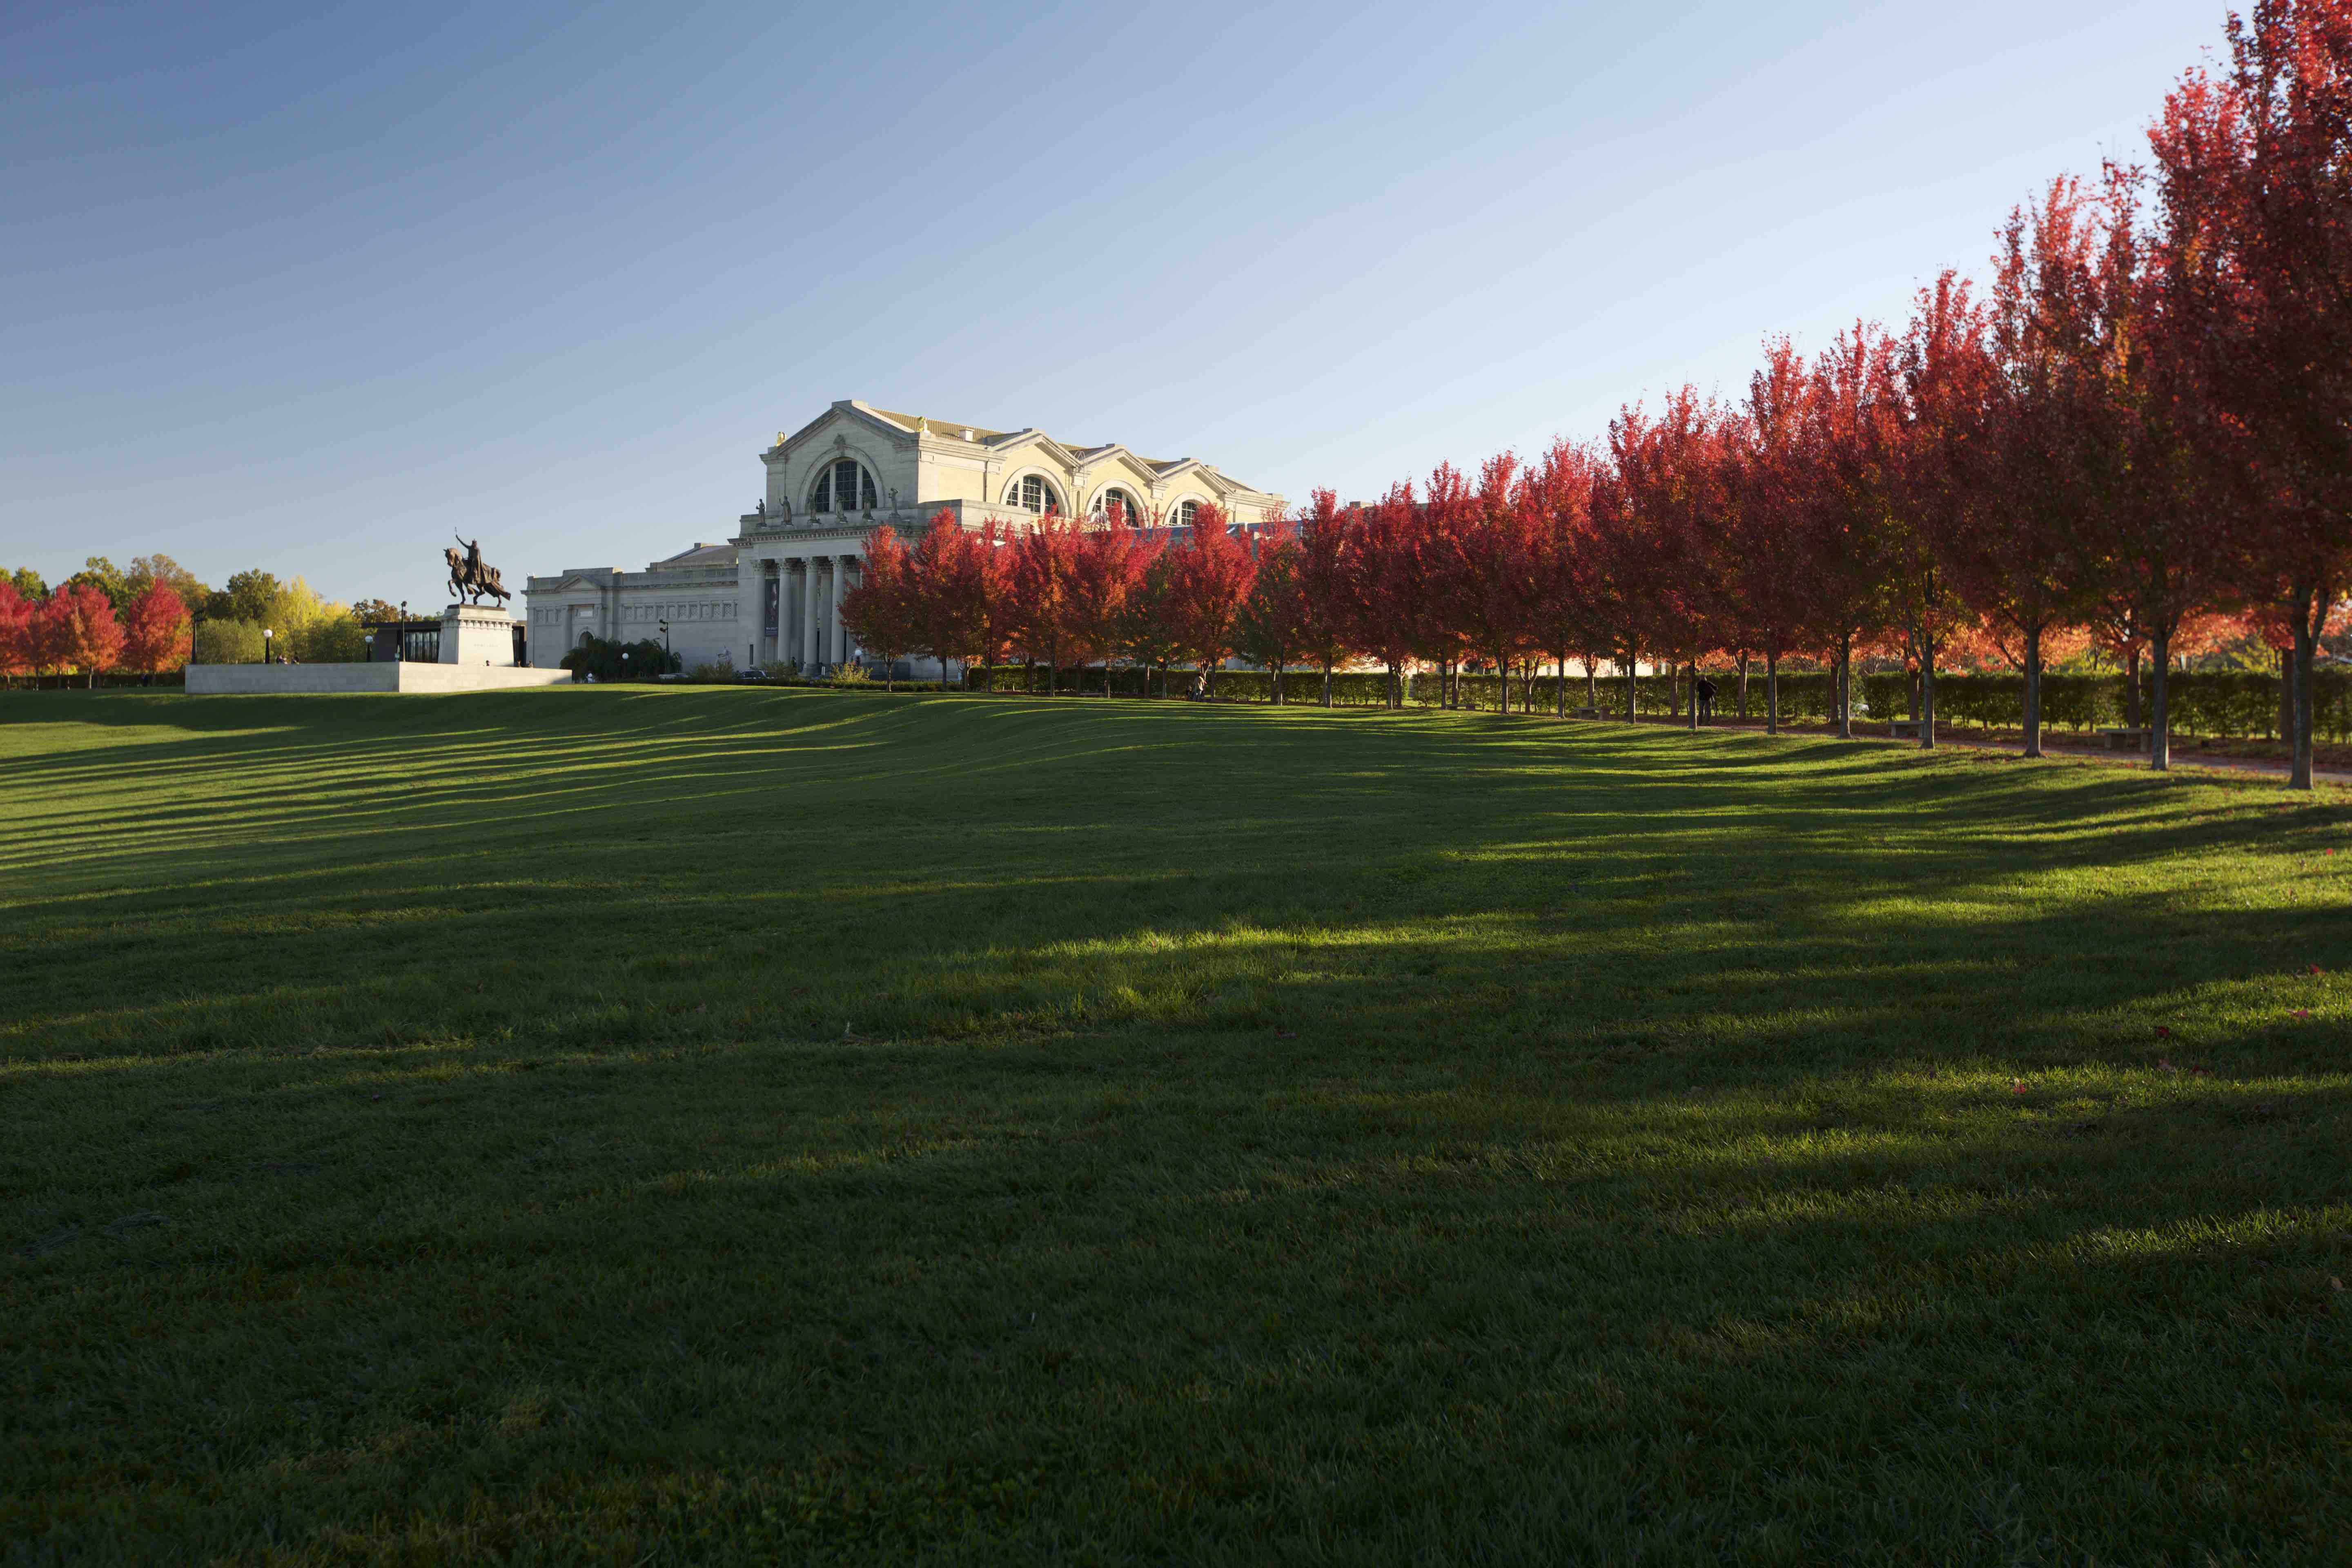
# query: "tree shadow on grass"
[[1567, 892], [1283, 1139], [1185, 1293]]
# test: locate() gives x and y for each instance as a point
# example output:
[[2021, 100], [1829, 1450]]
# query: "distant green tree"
[[28, 583], [375, 610], [253, 596], [602, 659], [334, 637], [226, 641], [108, 578], [148, 570]]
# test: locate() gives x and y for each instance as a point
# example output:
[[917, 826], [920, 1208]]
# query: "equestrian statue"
[[469, 578]]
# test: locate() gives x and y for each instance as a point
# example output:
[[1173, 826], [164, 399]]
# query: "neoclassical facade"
[[772, 594]]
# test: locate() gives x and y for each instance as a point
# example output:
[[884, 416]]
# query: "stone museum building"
[[770, 594]]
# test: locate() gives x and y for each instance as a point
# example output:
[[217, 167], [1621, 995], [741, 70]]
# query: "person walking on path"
[[1705, 693]]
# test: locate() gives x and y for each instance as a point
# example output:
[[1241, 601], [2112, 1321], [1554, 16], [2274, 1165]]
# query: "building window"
[[1187, 513], [1119, 502], [1036, 494], [845, 486]]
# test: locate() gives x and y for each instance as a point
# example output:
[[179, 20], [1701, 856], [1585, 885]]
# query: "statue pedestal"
[[477, 635]]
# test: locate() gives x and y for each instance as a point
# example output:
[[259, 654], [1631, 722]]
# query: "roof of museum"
[[698, 554], [982, 433]]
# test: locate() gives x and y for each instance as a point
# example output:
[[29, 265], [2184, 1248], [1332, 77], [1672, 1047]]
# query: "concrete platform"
[[325, 680]]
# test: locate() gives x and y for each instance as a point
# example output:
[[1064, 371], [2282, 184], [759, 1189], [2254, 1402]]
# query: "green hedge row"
[[2227, 703]]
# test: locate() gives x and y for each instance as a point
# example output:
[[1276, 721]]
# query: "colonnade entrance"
[[802, 613]]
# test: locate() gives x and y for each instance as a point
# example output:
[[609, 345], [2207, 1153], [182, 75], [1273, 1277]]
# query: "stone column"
[[771, 642], [786, 612], [836, 634], [808, 615]]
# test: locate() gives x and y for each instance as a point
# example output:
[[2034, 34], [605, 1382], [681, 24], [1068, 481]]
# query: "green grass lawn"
[[649, 1126]]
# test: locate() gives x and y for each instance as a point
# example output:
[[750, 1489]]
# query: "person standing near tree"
[[1705, 691]]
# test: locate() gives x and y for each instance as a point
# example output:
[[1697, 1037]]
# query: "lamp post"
[[625, 664], [665, 632], [266, 635], [399, 636]]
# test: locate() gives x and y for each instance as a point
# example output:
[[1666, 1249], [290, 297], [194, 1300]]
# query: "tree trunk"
[[2033, 691], [2131, 686], [1327, 683], [1502, 685], [1592, 687], [1694, 695], [1278, 683], [2159, 713], [1632, 686], [1927, 693], [1559, 683], [1743, 683], [2307, 645], [1846, 686], [1772, 693]]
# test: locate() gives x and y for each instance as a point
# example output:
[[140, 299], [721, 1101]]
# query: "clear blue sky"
[[307, 287]]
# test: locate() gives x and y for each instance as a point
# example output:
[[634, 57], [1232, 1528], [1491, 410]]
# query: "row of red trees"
[[76, 628], [2146, 417]]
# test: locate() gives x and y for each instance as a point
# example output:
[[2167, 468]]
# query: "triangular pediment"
[[845, 417], [1032, 440]]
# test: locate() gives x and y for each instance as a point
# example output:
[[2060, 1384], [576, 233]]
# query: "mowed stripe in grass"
[[666, 1125]]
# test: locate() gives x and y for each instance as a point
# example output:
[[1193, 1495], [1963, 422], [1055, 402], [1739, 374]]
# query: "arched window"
[[1034, 493], [845, 486], [1120, 500], [1187, 513]]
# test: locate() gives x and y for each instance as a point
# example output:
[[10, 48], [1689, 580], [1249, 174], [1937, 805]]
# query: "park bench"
[[1584, 712], [1896, 728], [2122, 738]]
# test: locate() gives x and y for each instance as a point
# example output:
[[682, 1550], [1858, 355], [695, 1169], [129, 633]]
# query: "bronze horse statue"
[[469, 578]]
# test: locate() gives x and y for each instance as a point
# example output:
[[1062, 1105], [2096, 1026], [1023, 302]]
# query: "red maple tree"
[[2254, 181], [882, 611], [1325, 535], [158, 635], [1107, 565], [76, 629], [1208, 573], [16, 613], [1044, 561]]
